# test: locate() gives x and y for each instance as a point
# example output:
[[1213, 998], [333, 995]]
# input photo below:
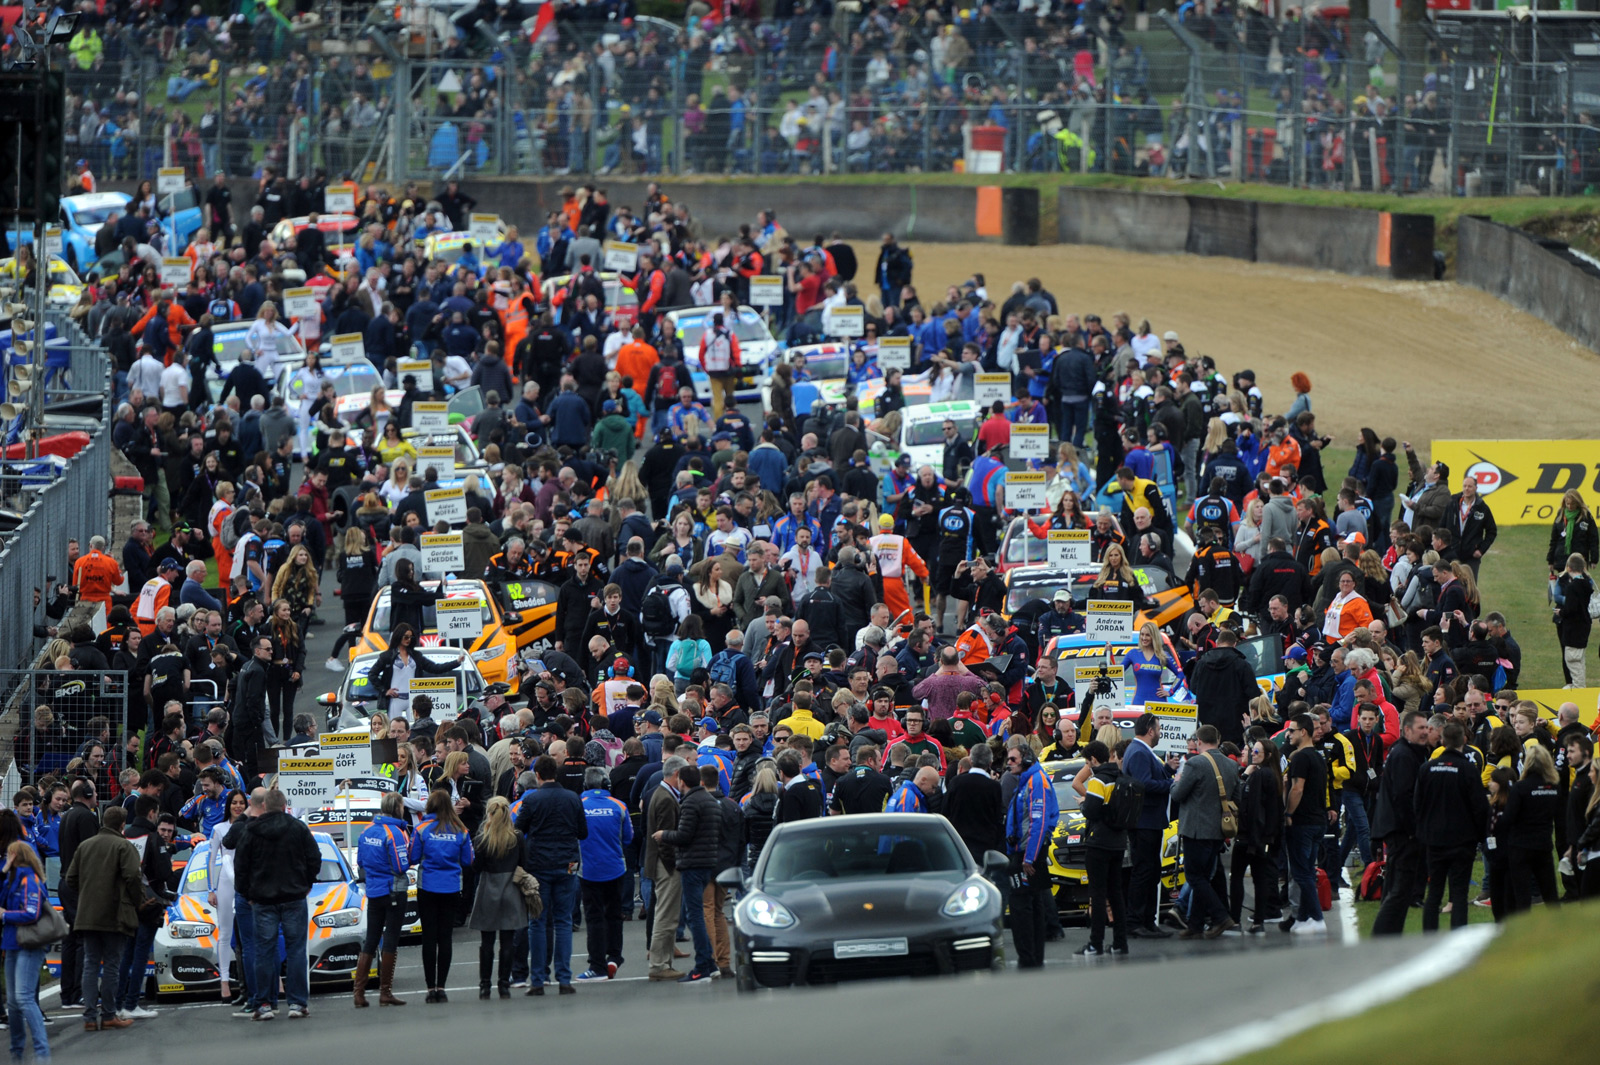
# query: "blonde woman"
[[1529, 822], [220, 893], [398, 486], [497, 906], [1573, 533], [408, 780], [1247, 545], [1147, 664], [1117, 580], [378, 725], [625, 483]]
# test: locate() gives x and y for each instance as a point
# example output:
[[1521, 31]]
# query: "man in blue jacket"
[[1030, 818], [605, 873], [552, 821], [1142, 763]]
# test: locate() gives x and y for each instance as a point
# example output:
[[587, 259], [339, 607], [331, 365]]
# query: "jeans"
[[1145, 877], [1403, 859], [1201, 858], [1074, 420], [1304, 842], [244, 930], [23, 1015], [291, 918], [1190, 453], [1450, 866], [1106, 889], [694, 889], [179, 88], [102, 966], [602, 912], [1356, 833], [135, 962], [560, 891]]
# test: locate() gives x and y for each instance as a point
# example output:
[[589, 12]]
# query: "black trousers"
[[602, 916], [1263, 869], [1529, 869], [384, 914], [1106, 889], [437, 911], [1497, 876], [1144, 878], [486, 957], [71, 951], [1028, 921], [1452, 867], [1401, 869]]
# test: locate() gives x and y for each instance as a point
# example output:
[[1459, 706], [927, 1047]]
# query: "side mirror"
[[328, 699], [731, 879], [513, 618], [995, 862]]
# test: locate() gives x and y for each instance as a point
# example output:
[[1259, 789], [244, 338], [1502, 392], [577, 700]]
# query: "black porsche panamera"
[[863, 897]]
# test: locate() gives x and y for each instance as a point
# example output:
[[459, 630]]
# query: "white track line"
[[1454, 952]]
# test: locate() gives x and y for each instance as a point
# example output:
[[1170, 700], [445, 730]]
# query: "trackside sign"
[[1523, 480]]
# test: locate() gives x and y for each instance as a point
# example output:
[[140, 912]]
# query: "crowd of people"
[[755, 622]]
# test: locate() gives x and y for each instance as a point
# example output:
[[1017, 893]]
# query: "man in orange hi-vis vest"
[[895, 555], [95, 574]]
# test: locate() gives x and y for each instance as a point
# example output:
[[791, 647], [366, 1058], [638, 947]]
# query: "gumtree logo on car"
[[1489, 476]]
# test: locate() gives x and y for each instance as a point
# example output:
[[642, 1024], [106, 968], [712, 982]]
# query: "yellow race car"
[[493, 648], [1069, 878], [65, 285]]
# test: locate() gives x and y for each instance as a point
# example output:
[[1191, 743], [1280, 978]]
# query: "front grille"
[[774, 973], [826, 969]]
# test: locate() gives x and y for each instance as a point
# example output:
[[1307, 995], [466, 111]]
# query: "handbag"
[[50, 928], [529, 886], [1394, 614], [1230, 809]]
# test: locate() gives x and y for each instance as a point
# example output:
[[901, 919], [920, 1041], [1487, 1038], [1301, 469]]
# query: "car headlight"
[[1169, 851], [489, 653], [968, 899], [189, 929], [768, 913], [339, 918]]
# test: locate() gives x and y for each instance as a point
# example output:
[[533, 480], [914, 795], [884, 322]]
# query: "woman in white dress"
[[219, 874]]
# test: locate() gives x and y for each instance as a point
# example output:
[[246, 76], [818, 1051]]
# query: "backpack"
[[656, 613], [1371, 887], [234, 527], [613, 748], [1126, 803], [667, 383], [724, 670], [221, 310]]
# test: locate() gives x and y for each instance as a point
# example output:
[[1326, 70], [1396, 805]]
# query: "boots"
[[363, 972], [483, 989], [386, 980]]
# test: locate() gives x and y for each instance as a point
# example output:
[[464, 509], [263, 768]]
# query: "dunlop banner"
[[1523, 480]]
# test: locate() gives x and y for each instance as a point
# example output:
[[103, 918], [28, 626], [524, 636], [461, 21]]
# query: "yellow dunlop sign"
[[1522, 480], [1178, 721], [351, 753], [1025, 491], [1068, 547], [1110, 618]]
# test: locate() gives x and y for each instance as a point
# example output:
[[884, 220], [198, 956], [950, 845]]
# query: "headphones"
[[611, 670]]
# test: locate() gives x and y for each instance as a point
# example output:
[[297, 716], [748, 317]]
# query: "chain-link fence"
[[62, 716], [1489, 103]]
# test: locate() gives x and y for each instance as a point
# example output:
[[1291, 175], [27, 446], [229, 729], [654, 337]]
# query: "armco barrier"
[[1537, 276], [1222, 227], [1348, 240], [1157, 223]]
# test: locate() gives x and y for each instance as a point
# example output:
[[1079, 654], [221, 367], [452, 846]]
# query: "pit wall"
[[1534, 275]]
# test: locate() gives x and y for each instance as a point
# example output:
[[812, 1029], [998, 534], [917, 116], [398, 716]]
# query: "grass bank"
[[1529, 999]]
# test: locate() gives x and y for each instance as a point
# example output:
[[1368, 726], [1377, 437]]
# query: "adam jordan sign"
[[1524, 480]]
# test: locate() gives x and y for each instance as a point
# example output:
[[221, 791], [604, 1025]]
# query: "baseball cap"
[[708, 723], [809, 655], [1170, 334], [652, 717], [609, 406], [1355, 538], [1296, 652], [674, 567], [903, 460], [885, 521], [1062, 596], [168, 565]]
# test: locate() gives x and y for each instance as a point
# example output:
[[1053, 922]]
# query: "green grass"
[[1528, 999]]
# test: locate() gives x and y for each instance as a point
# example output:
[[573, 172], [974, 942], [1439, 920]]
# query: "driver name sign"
[[1111, 618], [766, 290], [301, 303], [430, 417], [1030, 441], [308, 782], [351, 753], [1178, 721], [440, 457], [621, 255], [446, 504], [421, 369], [846, 321], [894, 353], [442, 690], [1025, 492], [347, 348], [1068, 547], [459, 619], [989, 387], [175, 272], [1085, 679], [442, 553]]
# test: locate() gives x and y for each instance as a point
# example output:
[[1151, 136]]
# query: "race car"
[[756, 346], [824, 367], [922, 430], [494, 649], [352, 388], [1265, 654], [1069, 878], [339, 232], [185, 952], [467, 458], [535, 602], [349, 706], [65, 285], [1168, 600], [349, 814], [81, 218], [1019, 547], [622, 302], [228, 341]]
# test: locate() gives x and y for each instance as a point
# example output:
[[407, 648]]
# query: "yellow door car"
[[65, 285], [535, 601], [1069, 878], [494, 648]]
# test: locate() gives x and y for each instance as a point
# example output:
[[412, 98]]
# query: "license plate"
[[870, 948]]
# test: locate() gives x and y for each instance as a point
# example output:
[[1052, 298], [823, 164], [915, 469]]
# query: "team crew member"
[[95, 574], [895, 555], [384, 855], [1029, 821], [604, 873], [1106, 843], [719, 358], [441, 850]]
